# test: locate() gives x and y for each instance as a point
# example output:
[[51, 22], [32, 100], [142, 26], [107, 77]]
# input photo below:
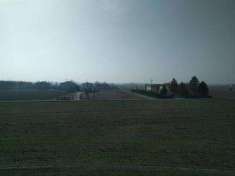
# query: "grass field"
[[222, 91], [6, 95], [119, 138]]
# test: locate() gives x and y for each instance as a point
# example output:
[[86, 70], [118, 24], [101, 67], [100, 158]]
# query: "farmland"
[[9, 95], [122, 137]]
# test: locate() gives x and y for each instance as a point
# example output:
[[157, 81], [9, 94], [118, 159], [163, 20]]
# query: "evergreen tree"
[[203, 89], [174, 85], [193, 85]]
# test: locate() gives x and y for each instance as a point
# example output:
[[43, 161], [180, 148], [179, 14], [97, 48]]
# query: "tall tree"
[[203, 89], [174, 85], [193, 85]]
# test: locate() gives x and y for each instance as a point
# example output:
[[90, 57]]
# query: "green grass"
[[162, 137]]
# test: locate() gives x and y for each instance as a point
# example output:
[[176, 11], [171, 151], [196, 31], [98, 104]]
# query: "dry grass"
[[162, 137]]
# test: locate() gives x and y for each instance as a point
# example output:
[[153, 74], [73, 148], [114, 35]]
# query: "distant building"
[[152, 88], [155, 88]]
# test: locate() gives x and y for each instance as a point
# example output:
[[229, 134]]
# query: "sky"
[[117, 41]]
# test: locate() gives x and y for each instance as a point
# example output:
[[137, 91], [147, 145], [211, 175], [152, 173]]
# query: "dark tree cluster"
[[194, 88], [94, 87], [90, 89], [68, 86]]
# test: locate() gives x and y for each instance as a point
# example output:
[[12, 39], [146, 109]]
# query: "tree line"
[[67, 86], [194, 88]]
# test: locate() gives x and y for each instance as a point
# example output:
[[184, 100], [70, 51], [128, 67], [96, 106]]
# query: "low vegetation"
[[19, 90], [119, 138], [68, 86]]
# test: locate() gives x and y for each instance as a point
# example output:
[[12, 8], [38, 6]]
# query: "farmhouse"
[[152, 88], [156, 87]]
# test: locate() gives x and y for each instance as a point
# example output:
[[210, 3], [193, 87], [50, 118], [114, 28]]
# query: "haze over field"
[[117, 40]]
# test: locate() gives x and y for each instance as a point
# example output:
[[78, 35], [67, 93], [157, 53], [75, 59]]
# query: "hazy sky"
[[117, 40]]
